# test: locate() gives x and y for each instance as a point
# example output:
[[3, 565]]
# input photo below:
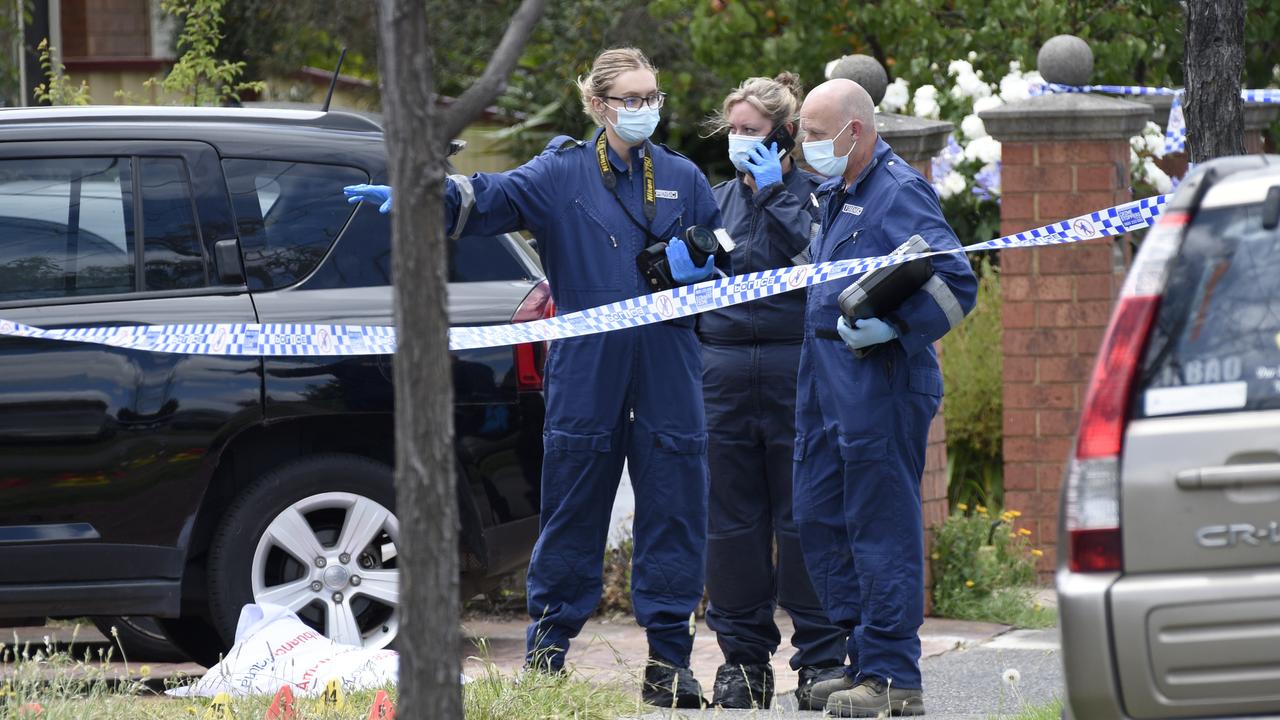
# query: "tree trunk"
[[1214, 66], [417, 136], [426, 503]]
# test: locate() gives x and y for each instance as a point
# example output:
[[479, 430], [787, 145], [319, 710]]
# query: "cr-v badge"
[[1223, 536]]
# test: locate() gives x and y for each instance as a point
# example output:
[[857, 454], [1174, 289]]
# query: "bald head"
[[832, 106], [845, 97]]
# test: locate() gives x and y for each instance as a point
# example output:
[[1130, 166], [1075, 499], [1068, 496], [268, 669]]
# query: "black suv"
[[184, 486]]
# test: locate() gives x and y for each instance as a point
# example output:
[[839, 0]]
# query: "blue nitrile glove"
[[376, 194], [868, 332], [764, 165], [683, 270]]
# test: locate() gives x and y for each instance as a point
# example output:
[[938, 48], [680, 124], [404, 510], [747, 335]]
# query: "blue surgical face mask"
[[738, 147], [821, 155], [635, 125]]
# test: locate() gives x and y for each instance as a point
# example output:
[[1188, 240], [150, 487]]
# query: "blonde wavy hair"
[[778, 99]]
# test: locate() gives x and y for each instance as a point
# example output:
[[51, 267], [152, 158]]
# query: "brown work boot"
[[817, 687], [872, 698]]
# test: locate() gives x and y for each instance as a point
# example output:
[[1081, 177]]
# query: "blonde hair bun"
[[776, 98]]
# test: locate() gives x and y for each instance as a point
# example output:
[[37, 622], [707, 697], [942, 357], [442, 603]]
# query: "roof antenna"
[[334, 82]]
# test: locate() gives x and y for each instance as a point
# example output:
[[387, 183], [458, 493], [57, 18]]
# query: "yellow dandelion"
[[1038, 553], [1015, 513], [1024, 532], [962, 507], [935, 556], [145, 671], [981, 510], [968, 583]]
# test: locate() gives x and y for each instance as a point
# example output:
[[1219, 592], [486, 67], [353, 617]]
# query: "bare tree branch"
[[494, 80]]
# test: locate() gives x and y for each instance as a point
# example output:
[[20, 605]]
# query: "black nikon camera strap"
[[611, 182]]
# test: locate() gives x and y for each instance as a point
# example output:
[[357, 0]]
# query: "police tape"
[[302, 340], [1175, 134]]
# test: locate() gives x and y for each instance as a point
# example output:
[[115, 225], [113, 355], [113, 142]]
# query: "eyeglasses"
[[633, 103]]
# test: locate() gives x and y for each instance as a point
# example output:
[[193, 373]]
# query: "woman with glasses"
[[632, 394]]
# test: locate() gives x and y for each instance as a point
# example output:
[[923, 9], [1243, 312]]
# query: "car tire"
[[139, 638], [196, 637], [319, 536]]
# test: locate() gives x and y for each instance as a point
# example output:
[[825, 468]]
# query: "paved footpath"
[[963, 664]]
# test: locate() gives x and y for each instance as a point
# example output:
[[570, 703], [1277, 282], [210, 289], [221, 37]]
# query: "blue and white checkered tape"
[[300, 340], [1175, 135]]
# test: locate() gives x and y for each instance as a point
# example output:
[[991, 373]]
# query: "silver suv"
[[1169, 588]]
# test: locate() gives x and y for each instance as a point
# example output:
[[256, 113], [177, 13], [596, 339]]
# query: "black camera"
[[883, 290], [652, 261]]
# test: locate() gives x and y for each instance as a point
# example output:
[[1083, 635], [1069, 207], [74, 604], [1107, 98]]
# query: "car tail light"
[[530, 357], [1092, 510]]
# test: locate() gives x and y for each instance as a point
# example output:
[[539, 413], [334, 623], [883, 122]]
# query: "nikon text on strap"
[[611, 181]]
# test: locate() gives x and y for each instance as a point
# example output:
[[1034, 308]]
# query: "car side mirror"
[[226, 258], [1271, 209]]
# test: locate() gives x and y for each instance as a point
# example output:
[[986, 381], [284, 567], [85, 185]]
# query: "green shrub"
[[984, 569], [973, 370], [615, 595]]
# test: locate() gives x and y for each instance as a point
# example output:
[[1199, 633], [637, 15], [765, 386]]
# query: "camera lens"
[[703, 239]]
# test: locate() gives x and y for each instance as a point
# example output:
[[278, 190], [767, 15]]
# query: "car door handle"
[[1251, 474]]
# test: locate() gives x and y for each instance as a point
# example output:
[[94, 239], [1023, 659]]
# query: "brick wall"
[[933, 490], [933, 485], [917, 141], [1057, 301]]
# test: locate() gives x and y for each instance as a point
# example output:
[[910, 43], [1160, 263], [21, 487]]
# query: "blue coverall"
[[631, 394], [750, 353], [862, 424]]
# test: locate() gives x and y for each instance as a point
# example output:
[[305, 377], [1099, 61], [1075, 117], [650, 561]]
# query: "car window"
[[1215, 345], [172, 254], [288, 214], [481, 258], [66, 227]]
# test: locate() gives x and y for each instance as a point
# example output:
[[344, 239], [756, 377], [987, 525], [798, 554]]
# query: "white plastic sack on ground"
[[274, 648]]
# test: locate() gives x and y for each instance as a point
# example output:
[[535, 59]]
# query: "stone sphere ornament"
[[864, 70], [1065, 60]]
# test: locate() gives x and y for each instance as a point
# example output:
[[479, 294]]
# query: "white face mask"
[[821, 155], [739, 145], [635, 125]]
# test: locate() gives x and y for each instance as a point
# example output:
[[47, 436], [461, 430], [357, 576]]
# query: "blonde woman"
[[634, 394], [750, 354]]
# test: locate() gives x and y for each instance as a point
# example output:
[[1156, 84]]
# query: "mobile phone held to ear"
[[786, 142]]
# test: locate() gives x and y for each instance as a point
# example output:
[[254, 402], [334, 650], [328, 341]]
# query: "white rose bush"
[[966, 173]]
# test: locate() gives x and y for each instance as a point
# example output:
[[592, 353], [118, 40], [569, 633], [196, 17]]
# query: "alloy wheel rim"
[[332, 558]]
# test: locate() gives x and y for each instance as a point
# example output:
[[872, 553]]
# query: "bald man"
[[862, 423]]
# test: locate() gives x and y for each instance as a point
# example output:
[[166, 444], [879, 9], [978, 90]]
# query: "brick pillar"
[[917, 141], [1257, 122], [1063, 156]]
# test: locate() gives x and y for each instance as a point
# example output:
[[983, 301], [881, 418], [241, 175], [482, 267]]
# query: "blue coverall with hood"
[[750, 353], [632, 394], [862, 424]]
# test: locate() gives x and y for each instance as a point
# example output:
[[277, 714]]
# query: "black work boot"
[[667, 686], [817, 683], [872, 698], [743, 687]]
